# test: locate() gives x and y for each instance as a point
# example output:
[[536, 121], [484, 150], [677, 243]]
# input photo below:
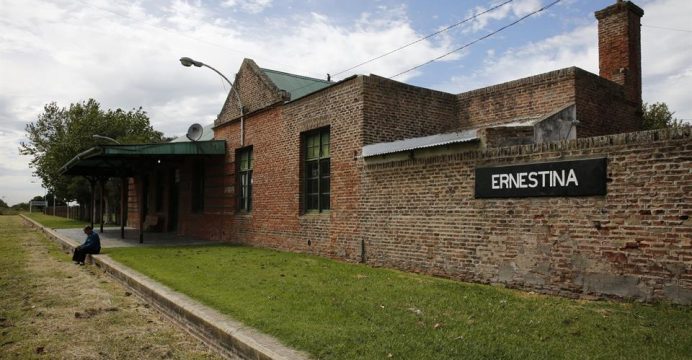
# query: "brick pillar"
[[619, 47]]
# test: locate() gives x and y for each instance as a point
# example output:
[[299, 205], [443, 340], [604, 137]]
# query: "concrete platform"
[[110, 238], [230, 338]]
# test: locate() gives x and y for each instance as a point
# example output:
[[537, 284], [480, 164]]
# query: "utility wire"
[[425, 37], [477, 40], [666, 28], [412, 43]]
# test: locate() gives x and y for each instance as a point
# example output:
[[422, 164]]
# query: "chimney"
[[619, 47]]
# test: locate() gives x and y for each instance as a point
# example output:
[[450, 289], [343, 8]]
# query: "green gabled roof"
[[296, 85]]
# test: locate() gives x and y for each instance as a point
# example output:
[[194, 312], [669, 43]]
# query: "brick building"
[[373, 170]]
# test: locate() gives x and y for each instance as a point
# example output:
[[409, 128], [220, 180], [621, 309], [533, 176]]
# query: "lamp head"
[[186, 61]]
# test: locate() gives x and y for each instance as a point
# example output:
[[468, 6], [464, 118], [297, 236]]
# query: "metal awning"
[[419, 143], [130, 160], [123, 161]]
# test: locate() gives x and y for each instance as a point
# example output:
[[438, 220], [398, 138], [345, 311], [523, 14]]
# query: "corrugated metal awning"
[[419, 143]]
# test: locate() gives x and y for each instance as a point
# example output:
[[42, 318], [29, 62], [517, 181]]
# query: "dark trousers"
[[80, 254]]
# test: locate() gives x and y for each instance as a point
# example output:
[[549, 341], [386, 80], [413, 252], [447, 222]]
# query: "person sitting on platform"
[[92, 245]]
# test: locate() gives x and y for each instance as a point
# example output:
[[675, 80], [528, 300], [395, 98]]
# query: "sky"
[[125, 54]]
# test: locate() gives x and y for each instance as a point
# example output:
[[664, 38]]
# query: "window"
[[198, 188], [317, 170], [244, 161]]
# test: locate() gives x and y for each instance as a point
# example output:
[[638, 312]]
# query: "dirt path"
[[51, 308]]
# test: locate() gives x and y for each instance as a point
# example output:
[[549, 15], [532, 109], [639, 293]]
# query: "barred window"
[[244, 161], [317, 170]]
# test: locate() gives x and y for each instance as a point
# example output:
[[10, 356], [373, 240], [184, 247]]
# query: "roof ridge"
[[296, 75]]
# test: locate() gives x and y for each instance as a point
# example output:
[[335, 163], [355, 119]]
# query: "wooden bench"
[[152, 223]]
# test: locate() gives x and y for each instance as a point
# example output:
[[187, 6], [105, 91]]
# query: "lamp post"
[[95, 136], [187, 62]]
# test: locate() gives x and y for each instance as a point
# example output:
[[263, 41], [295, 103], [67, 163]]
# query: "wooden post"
[[92, 206], [123, 204], [101, 185], [142, 214]]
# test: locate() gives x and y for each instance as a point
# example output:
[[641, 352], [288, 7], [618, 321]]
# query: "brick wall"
[[533, 96], [277, 219], [421, 215], [257, 92], [395, 111], [602, 107], [619, 47]]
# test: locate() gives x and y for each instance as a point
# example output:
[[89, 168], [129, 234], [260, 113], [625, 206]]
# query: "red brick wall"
[[257, 92], [636, 241], [507, 102], [602, 107], [395, 111], [601, 104], [207, 224], [277, 219], [619, 47]]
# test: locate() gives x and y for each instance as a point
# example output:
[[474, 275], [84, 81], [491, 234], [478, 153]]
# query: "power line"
[[477, 40], [425, 37], [666, 28]]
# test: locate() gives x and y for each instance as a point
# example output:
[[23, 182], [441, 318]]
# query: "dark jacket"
[[92, 243]]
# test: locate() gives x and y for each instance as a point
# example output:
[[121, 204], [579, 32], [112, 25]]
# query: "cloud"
[[575, 48], [666, 59], [125, 55], [15, 176], [517, 9], [249, 6]]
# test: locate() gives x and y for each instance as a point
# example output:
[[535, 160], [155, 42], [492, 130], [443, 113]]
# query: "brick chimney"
[[619, 47]]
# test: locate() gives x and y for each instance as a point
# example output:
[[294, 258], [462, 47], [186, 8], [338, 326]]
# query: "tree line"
[[60, 133]]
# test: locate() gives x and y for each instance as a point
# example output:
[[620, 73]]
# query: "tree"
[[3, 204], [59, 134], [657, 116], [21, 207]]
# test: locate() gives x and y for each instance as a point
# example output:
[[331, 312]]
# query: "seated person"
[[92, 245]]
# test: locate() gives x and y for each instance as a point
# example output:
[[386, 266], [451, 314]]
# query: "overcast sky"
[[125, 54]]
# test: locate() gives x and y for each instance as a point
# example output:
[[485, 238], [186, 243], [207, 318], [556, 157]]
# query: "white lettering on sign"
[[533, 179]]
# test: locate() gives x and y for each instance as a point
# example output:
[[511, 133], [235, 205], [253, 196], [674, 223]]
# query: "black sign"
[[561, 178]]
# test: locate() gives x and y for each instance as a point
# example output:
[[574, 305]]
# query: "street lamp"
[[95, 136], [187, 62]]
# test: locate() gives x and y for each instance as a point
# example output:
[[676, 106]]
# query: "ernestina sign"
[[560, 178]]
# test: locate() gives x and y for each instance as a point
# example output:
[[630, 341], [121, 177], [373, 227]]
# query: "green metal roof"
[[298, 86], [130, 160], [217, 147], [207, 134]]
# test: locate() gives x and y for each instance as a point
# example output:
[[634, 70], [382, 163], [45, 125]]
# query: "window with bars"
[[244, 161], [317, 170]]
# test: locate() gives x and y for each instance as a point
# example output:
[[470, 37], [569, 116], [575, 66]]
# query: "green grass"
[[335, 310], [56, 222], [41, 292], [8, 211]]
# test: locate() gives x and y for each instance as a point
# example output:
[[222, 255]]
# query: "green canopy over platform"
[[132, 160], [123, 161]]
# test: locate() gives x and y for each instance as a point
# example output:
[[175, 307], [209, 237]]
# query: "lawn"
[[335, 310], [55, 222]]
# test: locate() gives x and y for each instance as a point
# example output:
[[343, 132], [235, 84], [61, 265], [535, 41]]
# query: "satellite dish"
[[195, 131]]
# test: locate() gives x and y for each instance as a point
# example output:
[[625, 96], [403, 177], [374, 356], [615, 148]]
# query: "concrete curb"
[[230, 338]]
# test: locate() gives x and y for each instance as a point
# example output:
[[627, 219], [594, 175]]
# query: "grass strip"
[[52, 309], [336, 310], [56, 222]]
